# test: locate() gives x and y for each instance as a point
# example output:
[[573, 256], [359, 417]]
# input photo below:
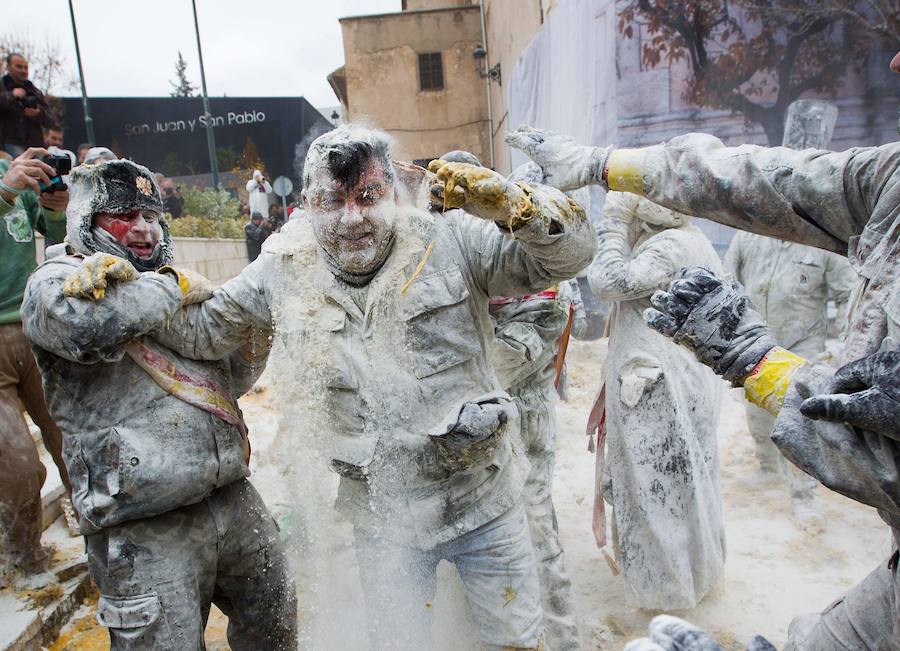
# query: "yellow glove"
[[95, 274], [483, 193], [768, 383], [195, 288]]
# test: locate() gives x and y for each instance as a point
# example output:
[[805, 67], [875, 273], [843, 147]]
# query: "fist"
[[481, 192], [95, 275]]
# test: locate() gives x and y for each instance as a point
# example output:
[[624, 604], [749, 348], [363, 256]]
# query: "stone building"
[[413, 74]]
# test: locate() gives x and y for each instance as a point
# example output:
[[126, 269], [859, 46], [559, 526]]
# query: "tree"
[[172, 165], [183, 88], [250, 158], [741, 53], [227, 158], [47, 66]]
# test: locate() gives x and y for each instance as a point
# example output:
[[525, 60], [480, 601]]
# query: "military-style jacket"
[[376, 372], [790, 284], [847, 202], [132, 449]]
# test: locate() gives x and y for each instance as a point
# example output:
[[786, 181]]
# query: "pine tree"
[[183, 88]]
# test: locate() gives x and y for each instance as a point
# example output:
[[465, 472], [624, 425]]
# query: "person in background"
[[790, 285], [256, 231], [23, 210], [23, 108], [53, 137], [173, 202], [96, 155], [83, 149], [259, 194]]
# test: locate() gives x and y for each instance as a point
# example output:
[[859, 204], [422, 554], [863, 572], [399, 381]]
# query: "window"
[[431, 71]]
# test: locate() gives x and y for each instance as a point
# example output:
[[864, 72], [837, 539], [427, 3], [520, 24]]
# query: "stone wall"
[[216, 258]]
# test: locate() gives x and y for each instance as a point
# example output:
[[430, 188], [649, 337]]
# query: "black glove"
[[713, 318], [864, 394]]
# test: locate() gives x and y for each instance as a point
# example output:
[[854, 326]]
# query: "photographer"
[[23, 109], [24, 209], [173, 202]]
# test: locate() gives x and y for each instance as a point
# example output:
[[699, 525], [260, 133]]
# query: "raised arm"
[[618, 273]]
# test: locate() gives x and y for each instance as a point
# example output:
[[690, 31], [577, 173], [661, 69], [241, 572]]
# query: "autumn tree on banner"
[[755, 57]]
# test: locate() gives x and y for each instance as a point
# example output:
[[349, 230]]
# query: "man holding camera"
[[23, 109], [24, 209]]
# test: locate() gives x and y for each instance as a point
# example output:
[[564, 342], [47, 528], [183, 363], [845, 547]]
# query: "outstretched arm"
[[813, 197]]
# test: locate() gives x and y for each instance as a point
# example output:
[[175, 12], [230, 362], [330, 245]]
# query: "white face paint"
[[355, 226]]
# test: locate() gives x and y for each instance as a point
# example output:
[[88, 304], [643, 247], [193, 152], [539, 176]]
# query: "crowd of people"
[[423, 316]]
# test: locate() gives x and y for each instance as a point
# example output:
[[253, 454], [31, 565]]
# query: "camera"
[[30, 101], [61, 165]]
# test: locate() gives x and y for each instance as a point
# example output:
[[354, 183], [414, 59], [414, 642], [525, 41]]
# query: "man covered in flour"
[[155, 446], [390, 340]]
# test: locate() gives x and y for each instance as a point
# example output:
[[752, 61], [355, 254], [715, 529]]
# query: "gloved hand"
[[472, 437], [864, 394], [483, 193], [669, 633], [713, 318], [94, 275], [566, 164], [195, 288]]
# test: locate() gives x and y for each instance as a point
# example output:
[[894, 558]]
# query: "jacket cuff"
[[625, 170]]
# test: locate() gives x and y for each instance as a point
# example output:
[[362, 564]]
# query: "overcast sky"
[[250, 48]]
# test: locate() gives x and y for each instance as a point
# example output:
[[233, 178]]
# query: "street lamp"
[[88, 120], [210, 137], [492, 73]]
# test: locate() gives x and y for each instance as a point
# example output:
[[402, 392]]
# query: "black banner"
[[168, 134]]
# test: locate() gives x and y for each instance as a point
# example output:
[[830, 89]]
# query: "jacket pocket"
[[135, 620], [162, 470], [440, 328]]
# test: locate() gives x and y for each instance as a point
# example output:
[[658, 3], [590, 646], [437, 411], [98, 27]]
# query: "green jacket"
[[17, 250]]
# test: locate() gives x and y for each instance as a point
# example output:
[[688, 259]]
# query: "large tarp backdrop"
[[168, 134]]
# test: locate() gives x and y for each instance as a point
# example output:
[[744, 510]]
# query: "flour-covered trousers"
[[497, 568], [158, 576], [761, 423], [538, 416], [866, 618]]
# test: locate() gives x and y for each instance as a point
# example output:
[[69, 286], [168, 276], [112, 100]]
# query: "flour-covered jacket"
[[379, 370], [661, 472], [846, 202], [132, 449], [789, 284]]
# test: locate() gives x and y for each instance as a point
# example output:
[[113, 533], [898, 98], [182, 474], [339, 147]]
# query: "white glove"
[[566, 164]]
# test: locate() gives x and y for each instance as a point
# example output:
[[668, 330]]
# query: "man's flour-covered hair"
[[345, 152]]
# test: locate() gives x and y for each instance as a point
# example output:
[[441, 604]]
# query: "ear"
[[303, 197]]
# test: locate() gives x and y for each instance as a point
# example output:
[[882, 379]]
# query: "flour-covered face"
[[138, 231], [354, 225]]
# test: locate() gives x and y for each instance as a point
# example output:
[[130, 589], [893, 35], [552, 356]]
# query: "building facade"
[[413, 74]]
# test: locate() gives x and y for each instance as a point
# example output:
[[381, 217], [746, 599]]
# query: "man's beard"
[[360, 272]]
